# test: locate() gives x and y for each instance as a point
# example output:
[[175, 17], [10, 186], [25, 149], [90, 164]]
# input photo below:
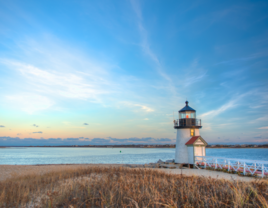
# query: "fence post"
[[205, 163], [244, 168], [216, 164], [262, 170], [228, 165]]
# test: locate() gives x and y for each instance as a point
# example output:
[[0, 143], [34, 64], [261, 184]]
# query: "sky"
[[117, 72]]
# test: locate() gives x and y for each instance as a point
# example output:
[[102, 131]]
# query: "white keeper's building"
[[189, 143]]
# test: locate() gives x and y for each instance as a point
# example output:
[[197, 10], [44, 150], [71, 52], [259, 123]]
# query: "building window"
[[192, 132], [182, 115]]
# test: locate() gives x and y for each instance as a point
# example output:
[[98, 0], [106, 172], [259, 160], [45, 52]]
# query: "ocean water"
[[41, 155]]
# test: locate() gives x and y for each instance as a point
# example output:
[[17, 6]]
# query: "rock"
[[160, 161], [169, 161]]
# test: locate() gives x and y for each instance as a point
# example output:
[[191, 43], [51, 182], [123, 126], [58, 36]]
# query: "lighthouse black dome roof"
[[187, 108]]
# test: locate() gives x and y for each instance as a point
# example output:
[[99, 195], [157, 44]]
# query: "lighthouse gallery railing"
[[187, 122], [250, 167]]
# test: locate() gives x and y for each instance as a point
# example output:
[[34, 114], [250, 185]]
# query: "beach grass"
[[125, 187]]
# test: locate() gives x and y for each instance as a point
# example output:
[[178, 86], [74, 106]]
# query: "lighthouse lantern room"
[[189, 143]]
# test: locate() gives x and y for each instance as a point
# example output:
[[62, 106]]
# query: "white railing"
[[251, 167]]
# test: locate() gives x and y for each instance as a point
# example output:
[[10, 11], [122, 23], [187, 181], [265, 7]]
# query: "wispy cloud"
[[85, 124], [29, 102], [145, 43], [38, 132], [69, 85], [229, 105], [261, 140], [35, 125], [138, 106], [256, 106], [194, 73], [265, 127], [1, 126], [64, 75], [191, 80], [223, 108], [245, 59], [260, 119], [145, 108]]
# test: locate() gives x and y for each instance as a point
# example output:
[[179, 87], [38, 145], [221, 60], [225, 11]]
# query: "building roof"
[[187, 108], [193, 140]]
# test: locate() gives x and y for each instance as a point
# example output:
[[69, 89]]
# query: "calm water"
[[30, 156]]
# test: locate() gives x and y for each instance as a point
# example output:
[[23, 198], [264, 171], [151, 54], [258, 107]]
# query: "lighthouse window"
[[182, 115], [192, 132], [187, 114]]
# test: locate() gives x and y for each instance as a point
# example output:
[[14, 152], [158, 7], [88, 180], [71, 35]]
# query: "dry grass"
[[123, 187]]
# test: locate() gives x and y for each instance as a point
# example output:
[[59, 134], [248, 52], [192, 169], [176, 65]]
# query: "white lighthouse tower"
[[189, 143]]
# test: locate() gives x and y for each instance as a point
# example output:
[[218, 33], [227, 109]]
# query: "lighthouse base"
[[182, 154]]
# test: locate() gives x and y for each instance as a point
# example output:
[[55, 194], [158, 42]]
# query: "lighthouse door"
[[198, 151]]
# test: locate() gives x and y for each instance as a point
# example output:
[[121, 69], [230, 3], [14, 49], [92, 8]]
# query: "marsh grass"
[[124, 187]]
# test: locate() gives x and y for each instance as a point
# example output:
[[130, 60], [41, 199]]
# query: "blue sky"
[[106, 72]]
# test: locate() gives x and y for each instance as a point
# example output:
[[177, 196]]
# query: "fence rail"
[[250, 167]]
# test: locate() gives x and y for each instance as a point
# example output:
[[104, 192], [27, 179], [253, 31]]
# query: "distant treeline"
[[238, 146], [112, 146], [158, 146]]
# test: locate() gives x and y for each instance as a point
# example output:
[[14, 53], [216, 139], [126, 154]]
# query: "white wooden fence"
[[250, 167]]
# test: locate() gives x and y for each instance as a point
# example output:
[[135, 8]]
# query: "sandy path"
[[7, 171], [207, 173]]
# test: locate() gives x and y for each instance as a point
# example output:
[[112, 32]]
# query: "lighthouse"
[[189, 143]]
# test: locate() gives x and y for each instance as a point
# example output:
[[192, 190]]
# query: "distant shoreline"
[[147, 146], [237, 147]]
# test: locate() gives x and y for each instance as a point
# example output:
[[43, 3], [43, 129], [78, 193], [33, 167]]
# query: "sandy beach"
[[9, 171]]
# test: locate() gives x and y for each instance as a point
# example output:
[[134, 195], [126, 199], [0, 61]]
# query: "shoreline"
[[265, 147]]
